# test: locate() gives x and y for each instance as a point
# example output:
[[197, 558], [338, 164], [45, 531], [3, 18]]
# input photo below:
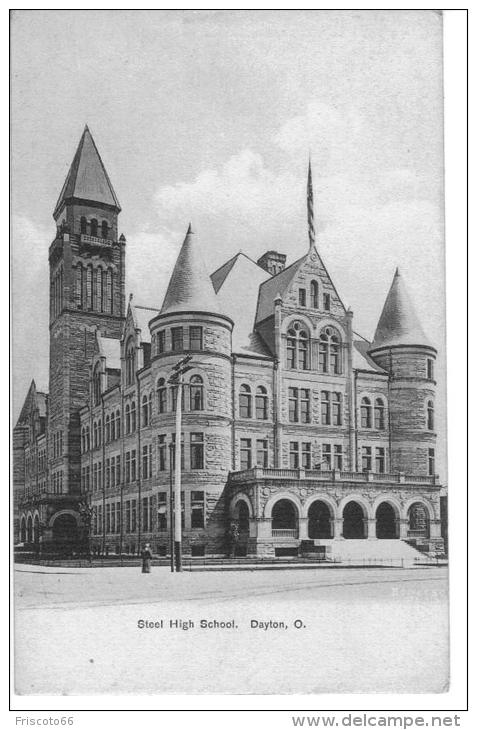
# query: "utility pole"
[[177, 379]]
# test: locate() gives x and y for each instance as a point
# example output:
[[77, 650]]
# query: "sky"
[[209, 117]]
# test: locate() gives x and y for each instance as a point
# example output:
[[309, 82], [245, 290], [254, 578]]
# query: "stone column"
[[264, 529], [338, 528], [371, 529], [303, 528], [403, 528], [434, 528]]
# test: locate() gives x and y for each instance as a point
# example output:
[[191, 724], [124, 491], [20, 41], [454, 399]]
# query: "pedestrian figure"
[[146, 556]]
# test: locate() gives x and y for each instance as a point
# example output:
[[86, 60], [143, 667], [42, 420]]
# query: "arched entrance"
[[65, 530], [284, 519], [418, 516], [319, 521], [29, 529], [36, 530], [386, 522], [353, 522], [23, 532]]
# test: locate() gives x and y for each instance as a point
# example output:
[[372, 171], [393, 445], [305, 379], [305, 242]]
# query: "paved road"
[[361, 630]]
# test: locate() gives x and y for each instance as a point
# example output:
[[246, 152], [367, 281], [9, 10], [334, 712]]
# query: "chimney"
[[273, 262]]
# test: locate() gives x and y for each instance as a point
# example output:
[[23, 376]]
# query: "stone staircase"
[[364, 552]]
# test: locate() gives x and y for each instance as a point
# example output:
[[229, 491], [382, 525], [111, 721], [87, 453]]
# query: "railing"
[[95, 240], [292, 534], [332, 475]]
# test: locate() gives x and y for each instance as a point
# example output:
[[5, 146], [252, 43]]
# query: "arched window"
[[130, 362], [329, 354], [430, 415], [161, 396], [89, 287], [379, 414], [127, 418], [94, 227], [99, 290], [196, 393], [133, 416], [118, 423], [245, 402], [87, 438], [314, 295], [83, 440], [145, 410], [106, 428], [298, 347], [83, 224], [109, 292], [97, 386], [104, 304], [100, 435], [95, 435], [79, 287], [104, 229], [365, 413], [261, 403]]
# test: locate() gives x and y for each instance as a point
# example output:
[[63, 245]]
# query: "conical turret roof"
[[190, 288], [398, 323], [87, 178]]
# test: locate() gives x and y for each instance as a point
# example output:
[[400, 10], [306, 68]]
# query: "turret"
[[401, 347]]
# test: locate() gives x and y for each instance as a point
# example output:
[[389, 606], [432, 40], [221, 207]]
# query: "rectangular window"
[[197, 451], [118, 469], [294, 455], [113, 517], [326, 456], [133, 465], [100, 519], [195, 338], [293, 405], [304, 405], [145, 461], [338, 457], [118, 516], [430, 369], [108, 518], [326, 302], [245, 453], [133, 515], [380, 466], [177, 338], [161, 453], [161, 341], [306, 455], [337, 415], [366, 464], [127, 468], [145, 514], [325, 407], [128, 516], [262, 453], [197, 510], [162, 510], [432, 462], [302, 297]]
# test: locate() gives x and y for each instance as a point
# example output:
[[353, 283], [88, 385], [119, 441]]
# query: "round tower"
[[401, 347], [190, 323]]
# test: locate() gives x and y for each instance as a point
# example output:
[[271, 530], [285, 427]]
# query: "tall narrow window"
[[261, 403], [83, 224], [109, 292], [177, 334], [127, 418], [294, 455], [197, 506], [337, 409], [305, 405], [306, 455], [326, 302], [118, 424], [262, 453], [325, 408], [430, 369], [366, 458], [99, 290], [314, 294], [130, 353], [133, 465], [326, 456], [196, 393], [302, 297], [338, 457], [94, 227], [145, 410], [430, 415], [161, 342], [431, 462], [293, 405], [245, 453], [89, 288], [161, 511], [195, 338], [79, 286], [104, 229], [380, 460], [104, 289], [297, 348], [379, 414], [133, 416], [197, 451], [161, 396], [366, 413], [161, 453], [245, 402]]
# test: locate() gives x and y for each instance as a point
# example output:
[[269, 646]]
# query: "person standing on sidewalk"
[[146, 556]]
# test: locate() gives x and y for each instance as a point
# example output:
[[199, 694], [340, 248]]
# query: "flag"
[[311, 218]]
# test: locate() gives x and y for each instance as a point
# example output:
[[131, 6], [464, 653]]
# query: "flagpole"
[[310, 211]]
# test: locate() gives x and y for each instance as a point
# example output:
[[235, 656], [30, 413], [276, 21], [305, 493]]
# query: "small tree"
[[86, 513]]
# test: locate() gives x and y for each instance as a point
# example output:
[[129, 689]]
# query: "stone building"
[[295, 429]]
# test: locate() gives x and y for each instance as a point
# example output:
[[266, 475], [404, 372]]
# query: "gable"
[[312, 269]]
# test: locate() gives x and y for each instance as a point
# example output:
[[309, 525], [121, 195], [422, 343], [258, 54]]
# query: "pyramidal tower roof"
[[398, 323], [87, 178], [190, 287]]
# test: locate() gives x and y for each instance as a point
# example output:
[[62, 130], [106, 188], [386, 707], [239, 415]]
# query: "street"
[[115, 630]]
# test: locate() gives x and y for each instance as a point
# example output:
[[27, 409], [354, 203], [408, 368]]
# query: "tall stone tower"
[[87, 279], [401, 347]]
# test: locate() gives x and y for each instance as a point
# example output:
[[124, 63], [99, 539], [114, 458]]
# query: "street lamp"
[[177, 379]]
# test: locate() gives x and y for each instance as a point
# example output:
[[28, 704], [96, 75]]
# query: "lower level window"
[[245, 453], [380, 461], [366, 464]]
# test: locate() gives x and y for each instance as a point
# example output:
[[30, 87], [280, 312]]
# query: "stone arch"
[[330, 322], [301, 317], [362, 501], [267, 511], [400, 513], [36, 528], [320, 520], [23, 528], [329, 501], [64, 512], [418, 498], [29, 528], [241, 496], [285, 518], [387, 520], [418, 524]]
